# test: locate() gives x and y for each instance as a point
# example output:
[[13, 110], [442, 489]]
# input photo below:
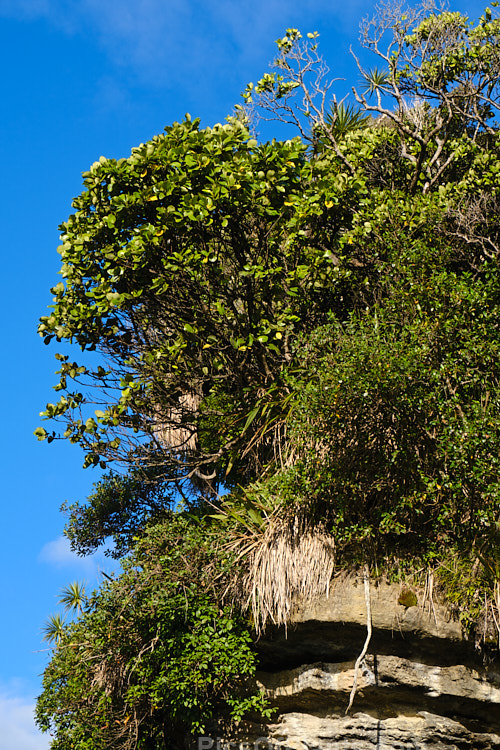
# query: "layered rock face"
[[420, 686]]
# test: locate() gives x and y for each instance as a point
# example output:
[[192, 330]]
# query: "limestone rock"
[[421, 685]]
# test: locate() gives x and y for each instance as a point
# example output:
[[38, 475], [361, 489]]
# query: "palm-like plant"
[[53, 629], [374, 80], [344, 118], [341, 120], [73, 597]]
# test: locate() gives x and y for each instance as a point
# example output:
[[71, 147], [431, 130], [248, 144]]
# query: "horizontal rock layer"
[[420, 686]]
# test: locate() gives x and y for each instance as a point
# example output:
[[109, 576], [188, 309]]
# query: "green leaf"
[[250, 418]]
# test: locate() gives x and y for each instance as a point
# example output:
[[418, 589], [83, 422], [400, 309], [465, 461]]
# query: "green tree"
[[313, 324], [155, 653], [438, 87], [188, 266], [118, 510], [392, 438]]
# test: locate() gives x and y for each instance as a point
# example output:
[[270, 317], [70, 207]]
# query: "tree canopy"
[[310, 326], [187, 266]]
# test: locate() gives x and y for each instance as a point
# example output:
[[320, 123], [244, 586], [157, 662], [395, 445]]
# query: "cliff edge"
[[421, 685]]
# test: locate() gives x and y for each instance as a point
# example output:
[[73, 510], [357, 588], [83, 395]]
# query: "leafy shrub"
[[155, 653]]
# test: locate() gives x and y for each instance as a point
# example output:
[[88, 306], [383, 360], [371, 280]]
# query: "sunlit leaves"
[[73, 597], [186, 264]]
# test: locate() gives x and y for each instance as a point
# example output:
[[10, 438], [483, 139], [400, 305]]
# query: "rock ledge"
[[421, 685]]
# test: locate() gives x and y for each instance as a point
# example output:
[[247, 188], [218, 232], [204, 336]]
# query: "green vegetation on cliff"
[[311, 326]]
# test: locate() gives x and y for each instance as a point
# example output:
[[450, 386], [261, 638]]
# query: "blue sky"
[[85, 78]]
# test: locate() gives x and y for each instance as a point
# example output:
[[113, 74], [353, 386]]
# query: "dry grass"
[[282, 558], [109, 675], [289, 562]]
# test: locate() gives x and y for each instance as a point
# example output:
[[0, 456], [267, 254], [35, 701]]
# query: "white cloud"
[[17, 725], [136, 33], [59, 554], [170, 39], [24, 8]]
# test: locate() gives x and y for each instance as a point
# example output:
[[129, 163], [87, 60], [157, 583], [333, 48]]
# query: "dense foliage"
[[187, 266], [119, 508], [396, 428], [311, 324], [155, 653]]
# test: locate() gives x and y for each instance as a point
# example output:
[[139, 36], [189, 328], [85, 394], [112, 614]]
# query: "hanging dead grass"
[[291, 562], [109, 675]]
